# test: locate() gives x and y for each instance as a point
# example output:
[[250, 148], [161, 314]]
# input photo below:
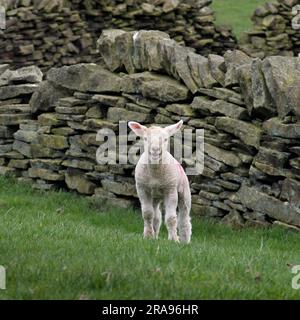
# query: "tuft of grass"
[[236, 13], [57, 245]]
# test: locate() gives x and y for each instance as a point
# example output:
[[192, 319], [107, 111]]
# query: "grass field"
[[236, 13], [59, 245]]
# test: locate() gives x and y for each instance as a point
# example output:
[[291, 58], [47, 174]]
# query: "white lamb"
[[160, 178]]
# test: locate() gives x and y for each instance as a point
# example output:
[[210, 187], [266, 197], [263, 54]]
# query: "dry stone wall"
[[45, 34], [16, 89], [189, 22], [249, 109], [273, 33], [54, 32]]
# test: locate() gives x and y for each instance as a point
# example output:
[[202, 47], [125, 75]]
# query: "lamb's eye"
[[166, 139], [145, 138]]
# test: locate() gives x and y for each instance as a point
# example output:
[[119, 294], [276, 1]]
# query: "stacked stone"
[[62, 150], [249, 110], [274, 172], [188, 22], [273, 33], [44, 36], [54, 33], [16, 88]]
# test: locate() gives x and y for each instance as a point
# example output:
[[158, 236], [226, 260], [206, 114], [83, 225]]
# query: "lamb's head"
[[155, 139]]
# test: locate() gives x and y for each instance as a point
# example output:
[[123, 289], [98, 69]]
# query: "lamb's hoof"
[[149, 234], [174, 238], [185, 241]]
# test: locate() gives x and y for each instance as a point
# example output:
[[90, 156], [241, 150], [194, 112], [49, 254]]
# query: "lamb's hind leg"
[[157, 217], [147, 211], [184, 220]]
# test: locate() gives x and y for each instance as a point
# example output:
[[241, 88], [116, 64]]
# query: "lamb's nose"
[[155, 150]]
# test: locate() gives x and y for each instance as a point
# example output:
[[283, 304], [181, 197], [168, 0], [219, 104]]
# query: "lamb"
[[160, 178]]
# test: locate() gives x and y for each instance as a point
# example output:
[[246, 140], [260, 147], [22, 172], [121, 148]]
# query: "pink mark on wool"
[[180, 168]]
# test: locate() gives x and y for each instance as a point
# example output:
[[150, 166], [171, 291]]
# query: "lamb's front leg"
[[147, 211], [157, 217], [171, 200]]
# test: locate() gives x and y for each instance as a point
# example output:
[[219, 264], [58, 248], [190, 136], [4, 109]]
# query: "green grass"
[[59, 245], [236, 13]]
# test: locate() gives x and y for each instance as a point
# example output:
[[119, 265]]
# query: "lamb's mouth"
[[155, 156]]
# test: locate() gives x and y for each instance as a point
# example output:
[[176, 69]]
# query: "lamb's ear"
[[172, 129], [137, 128]]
